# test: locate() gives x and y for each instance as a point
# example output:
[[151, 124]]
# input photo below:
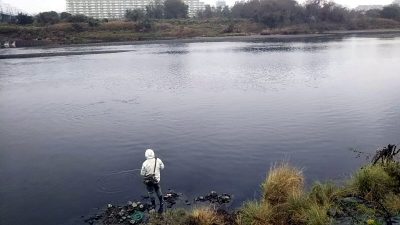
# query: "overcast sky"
[[34, 6]]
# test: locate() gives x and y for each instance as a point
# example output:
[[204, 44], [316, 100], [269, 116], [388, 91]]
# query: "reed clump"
[[285, 201], [282, 182], [205, 216]]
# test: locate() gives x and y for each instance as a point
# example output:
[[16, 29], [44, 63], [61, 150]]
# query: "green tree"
[[226, 12], [276, 13], [78, 18], [24, 19], [374, 13], [155, 10], [175, 9], [391, 12], [64, 16], [207, 13], [50, 17], [134, 14]]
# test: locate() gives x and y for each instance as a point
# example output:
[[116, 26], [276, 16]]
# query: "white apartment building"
[[194, 7], [112, 9], [115, 9]]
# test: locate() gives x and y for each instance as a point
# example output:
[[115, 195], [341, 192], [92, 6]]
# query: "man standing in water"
[[151, 174]]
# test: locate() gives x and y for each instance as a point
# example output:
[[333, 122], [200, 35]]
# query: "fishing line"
[[102, 180]]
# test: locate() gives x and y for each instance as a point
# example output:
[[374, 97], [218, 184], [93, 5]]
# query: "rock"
[[134, 204], [109, 206], [129, 202], [141, 206], [122, 212], [200, 198], [332, 212], [132, 222], [224, 199], [352, 200]]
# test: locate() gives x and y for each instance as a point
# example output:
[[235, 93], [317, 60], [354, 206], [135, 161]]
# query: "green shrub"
[[393, 170], [317, 215], [324, 194], [255, 213], [171, 217], [392, 203], [373, 183]]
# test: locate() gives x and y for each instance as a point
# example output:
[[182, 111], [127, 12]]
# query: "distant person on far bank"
[[151, 177]]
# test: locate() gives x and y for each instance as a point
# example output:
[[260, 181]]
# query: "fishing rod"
[[102, 180]]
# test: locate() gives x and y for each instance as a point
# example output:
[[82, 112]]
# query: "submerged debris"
[[171, 198], [387, 154], [213, 197]]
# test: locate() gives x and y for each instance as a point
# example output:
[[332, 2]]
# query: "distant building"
[[194, 6], [220, 3], [7, 12], [115, 9], [368, 7]]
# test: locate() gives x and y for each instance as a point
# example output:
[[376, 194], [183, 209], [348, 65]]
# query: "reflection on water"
[[215, 112], [281, 47]]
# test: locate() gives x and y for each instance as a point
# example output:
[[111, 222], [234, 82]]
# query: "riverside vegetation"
[[169, 20], [371, 196]]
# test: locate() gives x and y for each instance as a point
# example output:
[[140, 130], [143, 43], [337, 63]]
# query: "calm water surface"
[[218, 114]]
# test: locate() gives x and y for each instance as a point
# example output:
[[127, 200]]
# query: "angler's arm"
[[143, 170]]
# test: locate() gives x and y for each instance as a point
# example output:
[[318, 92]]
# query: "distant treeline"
[[271, 13], [280, 13]]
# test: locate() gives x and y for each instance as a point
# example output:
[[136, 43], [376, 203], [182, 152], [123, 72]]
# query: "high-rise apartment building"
[[115, 9], [194, 7]]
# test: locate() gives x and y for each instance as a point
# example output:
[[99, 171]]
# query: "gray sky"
[[34, 6]]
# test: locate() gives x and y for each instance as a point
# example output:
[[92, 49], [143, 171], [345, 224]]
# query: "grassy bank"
[[370, 196], [119, 31], [123, 31]]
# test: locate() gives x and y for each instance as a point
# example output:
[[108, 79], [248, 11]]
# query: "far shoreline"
[[245, 38], [233, 38], [239, 38]]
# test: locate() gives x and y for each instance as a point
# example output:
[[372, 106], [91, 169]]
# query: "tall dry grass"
[[282, 182], [205, 216]]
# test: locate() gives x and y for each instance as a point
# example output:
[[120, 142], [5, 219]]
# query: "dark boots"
[[161, 209], [153, 203]]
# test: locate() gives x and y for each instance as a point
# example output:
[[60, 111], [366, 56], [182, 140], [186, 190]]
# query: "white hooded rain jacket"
[[148, 165]]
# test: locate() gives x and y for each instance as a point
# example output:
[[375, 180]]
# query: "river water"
[[218, 115]]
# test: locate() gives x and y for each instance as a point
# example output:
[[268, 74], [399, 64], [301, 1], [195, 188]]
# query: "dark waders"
[[151, 188], [154, 186]]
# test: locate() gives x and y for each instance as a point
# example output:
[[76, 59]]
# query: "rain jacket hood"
[[149, 154]]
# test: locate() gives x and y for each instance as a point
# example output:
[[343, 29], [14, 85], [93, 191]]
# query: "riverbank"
[[48, 50], [370, 196], [167, 31], [246, 38]]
